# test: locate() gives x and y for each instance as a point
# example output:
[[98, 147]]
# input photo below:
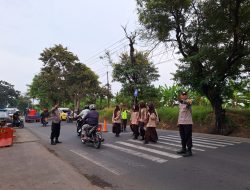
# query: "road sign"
[[135, 93]]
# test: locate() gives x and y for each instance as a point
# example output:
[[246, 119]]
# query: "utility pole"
[[107, 56], [108, 85]]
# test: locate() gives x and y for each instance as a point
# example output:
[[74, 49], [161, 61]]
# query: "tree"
[[135, 76], [63, 78], [23, 103], [213, 36], [40, 89], [57, 62], [169, 95], [81, 82], [240, 94], [8, 95]]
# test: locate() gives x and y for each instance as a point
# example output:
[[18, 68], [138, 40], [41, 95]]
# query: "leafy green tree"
[[23, 103], [240, 94], [41, 89], [57, 63], [139, 75], [8, 95], [169, 95], [213, 36], [63, 78], [81, 82]]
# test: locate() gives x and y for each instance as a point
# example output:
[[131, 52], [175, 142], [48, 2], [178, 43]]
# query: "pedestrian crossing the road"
[[167, 146]]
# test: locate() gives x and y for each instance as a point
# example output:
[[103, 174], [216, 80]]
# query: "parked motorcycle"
[[94, 135], [18, 123]]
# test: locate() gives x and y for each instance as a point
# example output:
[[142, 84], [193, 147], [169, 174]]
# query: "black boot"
[[57, 141], [182, 151], [52, 142], [188, 153]]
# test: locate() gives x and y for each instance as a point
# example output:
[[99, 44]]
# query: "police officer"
[[185, 124], [56, 125]]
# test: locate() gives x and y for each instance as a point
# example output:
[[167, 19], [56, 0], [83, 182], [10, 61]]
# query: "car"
[[11, 111], [4, 116], [32, 116], [63, 113]]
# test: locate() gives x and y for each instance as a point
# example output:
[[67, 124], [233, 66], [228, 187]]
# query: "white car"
[[11, 111], [4, 116]]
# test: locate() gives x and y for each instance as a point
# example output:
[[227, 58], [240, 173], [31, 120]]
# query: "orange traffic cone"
[[104, 129]]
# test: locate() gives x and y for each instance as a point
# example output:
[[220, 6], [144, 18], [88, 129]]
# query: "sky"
[[86, 27]]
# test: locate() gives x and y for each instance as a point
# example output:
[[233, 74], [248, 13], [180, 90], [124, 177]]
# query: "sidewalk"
[[29, 165]]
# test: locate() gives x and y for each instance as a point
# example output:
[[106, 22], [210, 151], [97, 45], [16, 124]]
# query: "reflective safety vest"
[[125, 114]]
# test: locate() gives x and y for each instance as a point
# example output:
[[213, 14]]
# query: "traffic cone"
[[104, 129]]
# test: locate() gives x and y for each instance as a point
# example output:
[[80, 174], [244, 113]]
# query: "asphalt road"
[[218, 162]]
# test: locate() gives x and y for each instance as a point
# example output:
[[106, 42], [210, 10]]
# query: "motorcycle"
[[79, 124], [94, 135], [44, 122], [18, 123]]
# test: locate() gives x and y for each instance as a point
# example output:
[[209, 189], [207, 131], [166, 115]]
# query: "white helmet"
[[92, 107]]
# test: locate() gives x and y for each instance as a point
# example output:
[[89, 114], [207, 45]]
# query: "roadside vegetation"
[[212, 39]]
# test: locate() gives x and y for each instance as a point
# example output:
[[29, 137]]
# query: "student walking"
[[142, 119], [134, 121], [116, 119], [151, 134]]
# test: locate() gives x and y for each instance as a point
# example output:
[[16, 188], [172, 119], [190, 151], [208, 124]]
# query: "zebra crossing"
[[167, 146]]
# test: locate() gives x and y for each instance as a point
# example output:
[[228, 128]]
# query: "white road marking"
[[136, 153], [150, 150], [172, 144], [196, 144], [84, 155], [195, 141], [156, 145], [225, 141]]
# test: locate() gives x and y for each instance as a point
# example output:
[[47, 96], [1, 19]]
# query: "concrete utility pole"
[[107, 56], [108, 86]]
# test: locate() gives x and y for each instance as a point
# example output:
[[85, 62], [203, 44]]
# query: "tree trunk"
[[216, 102], [219, 116]]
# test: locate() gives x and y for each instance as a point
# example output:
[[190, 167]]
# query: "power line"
[[114, 49], [99, 52]]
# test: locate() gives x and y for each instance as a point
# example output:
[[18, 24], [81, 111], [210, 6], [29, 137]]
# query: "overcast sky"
[[86, 27]]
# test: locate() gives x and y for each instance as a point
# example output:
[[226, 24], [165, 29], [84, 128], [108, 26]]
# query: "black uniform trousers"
[[55, 130], [186, 136], [142, 130], [124, 124]]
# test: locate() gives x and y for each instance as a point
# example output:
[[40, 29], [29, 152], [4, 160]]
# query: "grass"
[[170, 114], [167, 114]]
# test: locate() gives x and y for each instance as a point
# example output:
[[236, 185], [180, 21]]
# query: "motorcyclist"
[[80, 117], [91, 120], [84, 112], [44, 117], [16, 119]]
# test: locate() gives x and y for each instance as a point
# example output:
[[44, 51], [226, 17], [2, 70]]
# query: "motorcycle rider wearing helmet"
[[84, 111], [91, 119], [82, 115]]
